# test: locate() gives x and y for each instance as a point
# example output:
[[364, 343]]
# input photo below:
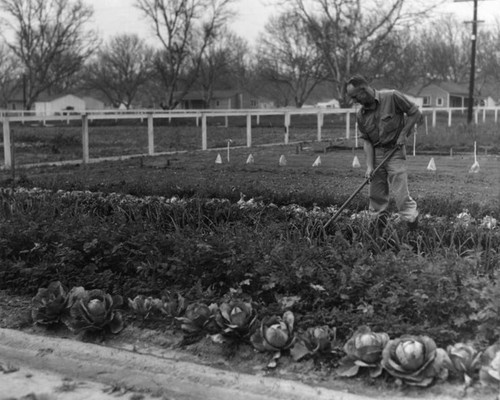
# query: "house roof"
[[48, 98], [200, 94], [452, 88]]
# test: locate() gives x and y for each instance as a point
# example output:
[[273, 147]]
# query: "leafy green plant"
[[315, 341], [95, 310], [489, 373], [141, 305], [52, 304], [275, 334], [363, 351], [199, 318], [415, 360], [465, 361], [237, 320]]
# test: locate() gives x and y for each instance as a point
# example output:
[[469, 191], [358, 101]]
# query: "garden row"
[[440, 280], [409, 359]]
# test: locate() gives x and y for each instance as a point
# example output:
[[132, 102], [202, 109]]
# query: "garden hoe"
[[337, 214]]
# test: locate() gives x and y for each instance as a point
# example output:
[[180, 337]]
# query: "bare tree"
[[288, 59], [121, 68], [222, 64], [11, 79], [488, 60], [184, 28], [445, 50], [347, 32], [49, 39]]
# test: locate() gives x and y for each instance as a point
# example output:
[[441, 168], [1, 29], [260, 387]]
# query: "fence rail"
[[21, 116]]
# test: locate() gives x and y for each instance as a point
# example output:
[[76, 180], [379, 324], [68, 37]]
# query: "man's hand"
[[401, 141], [369, 173]]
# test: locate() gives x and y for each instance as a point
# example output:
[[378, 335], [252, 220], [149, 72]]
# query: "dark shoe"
[[413, 226]]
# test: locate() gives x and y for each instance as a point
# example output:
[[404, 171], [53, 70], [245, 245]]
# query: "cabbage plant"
[[52, 304], [415, 360], [275, 335], [173, 305], [489, 374], [314, 340], [141, 305], [465, 361], [95, 310], [363, 351], [199, 318], [237, 319]]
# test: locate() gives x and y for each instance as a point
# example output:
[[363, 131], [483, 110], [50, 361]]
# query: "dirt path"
[[46, 364], [63, 369]]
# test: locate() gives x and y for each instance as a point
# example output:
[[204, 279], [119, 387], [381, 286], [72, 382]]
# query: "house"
[[442, 94], [333, 103], [60, 104], [223, 99], [15, 101], [488, 102]]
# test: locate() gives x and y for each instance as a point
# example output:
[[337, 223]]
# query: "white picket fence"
[[9, 116]]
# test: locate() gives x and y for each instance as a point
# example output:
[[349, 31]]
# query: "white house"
[[334, 103], [66, 103]]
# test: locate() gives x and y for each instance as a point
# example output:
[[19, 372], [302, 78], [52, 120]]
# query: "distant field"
[[63, 141]]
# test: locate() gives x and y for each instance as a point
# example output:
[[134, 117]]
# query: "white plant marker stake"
[[229, 141], [355, 162], [282, 161], [474, 169], [317, 163], [432, 165], [414, 140], [218, 160], [250, 159]]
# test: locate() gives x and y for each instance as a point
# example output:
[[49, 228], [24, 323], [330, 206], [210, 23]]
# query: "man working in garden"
[[385, 120]]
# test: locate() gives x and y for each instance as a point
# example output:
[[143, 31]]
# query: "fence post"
[[6, 144], [287, 127], [320, 124], [496, 115], [151, 135], [476, 117], [249, 130], [484, 115], [204, 145], [449, 117], [85, 138], [347, 124]]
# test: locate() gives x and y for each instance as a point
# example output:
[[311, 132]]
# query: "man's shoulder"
[[387, 92]]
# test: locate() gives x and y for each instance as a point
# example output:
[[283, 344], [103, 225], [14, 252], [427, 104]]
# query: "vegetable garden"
[[175, 245]]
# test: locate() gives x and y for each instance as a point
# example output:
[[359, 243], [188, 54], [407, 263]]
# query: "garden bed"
[[159, 230]]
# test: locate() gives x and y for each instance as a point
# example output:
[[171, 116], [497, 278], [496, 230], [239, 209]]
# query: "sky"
[[120, 16]]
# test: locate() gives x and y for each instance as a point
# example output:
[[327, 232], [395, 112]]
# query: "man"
[[385, 120]]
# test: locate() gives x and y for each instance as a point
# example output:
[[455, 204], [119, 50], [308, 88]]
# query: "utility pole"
[[470, 104], [474, 22]]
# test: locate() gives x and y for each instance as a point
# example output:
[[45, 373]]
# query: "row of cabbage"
[[408, 359]]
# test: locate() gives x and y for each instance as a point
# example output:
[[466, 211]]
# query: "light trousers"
[[392, 176]]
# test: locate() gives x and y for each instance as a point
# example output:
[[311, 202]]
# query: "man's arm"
[[414, 115], [368, 148], [411, 120]]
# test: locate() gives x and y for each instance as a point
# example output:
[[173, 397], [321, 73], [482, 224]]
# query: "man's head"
[[359, 90]]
